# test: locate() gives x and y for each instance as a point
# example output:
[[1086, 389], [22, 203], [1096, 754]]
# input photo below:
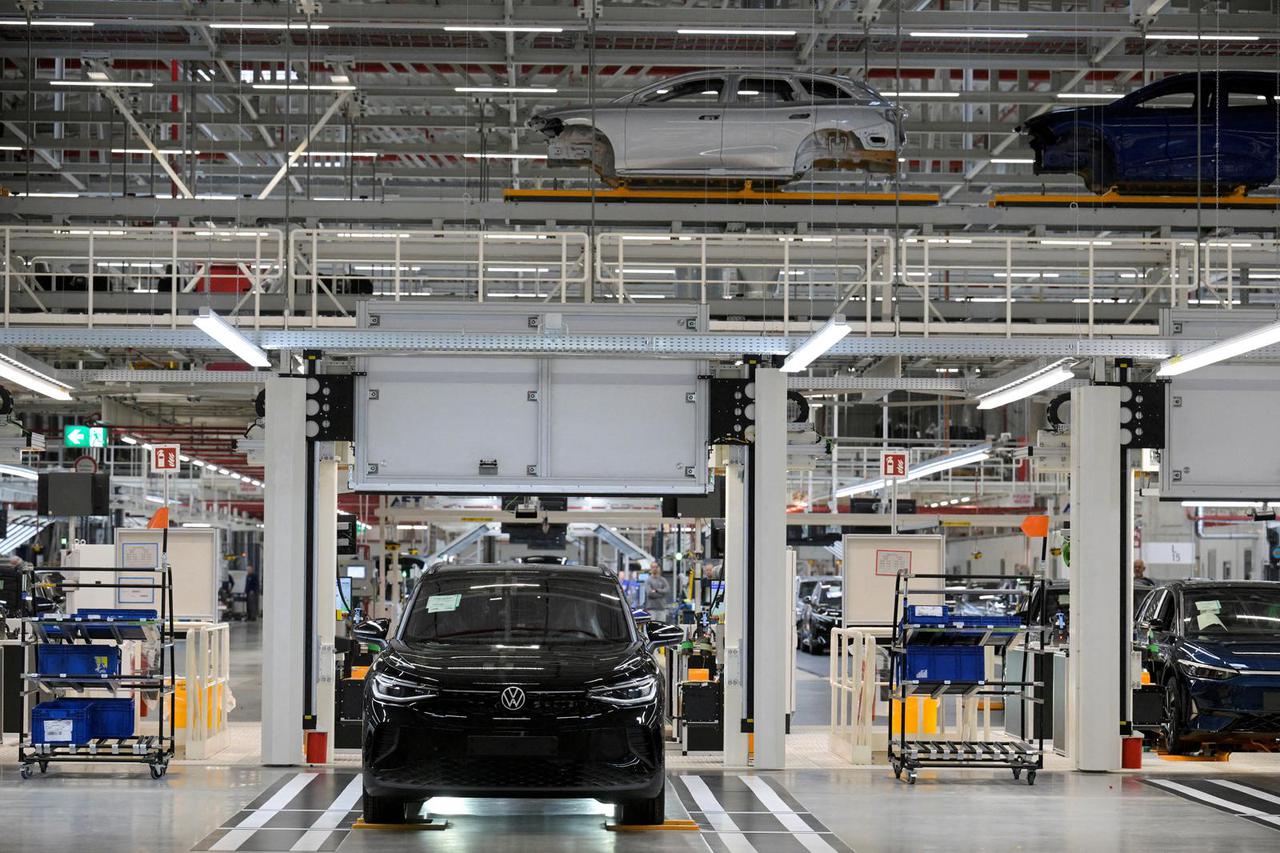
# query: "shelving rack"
[[961, 630], [157, 633]]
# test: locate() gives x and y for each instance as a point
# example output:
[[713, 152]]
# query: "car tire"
[[647, 812], [383, 809], [1172, 718]]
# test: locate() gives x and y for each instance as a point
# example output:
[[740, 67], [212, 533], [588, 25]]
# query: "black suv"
[[517, 681]]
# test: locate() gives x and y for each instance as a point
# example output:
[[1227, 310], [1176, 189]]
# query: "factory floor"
[[820, 805]]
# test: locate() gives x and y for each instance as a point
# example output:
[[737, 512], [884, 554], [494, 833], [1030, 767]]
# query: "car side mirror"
[[641, 616], [662, 635], [374, 632]]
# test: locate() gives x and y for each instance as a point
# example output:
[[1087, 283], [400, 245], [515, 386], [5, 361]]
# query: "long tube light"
[[1020, 389], [734, 32], [831, 333], [117, 84], [19, 471], [504, 90], [505, 156], [1089, 96], [921, 94], [967, 34], [303, 87], [231, 338], [32, 379], [1221, 351], [500, 28], [1199, 37], [968, 456], [233, 25], [47, 22]]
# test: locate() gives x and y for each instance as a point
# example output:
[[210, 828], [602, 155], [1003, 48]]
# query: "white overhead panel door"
[[545, 425]]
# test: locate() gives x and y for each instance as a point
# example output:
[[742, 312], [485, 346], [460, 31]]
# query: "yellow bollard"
[[930, 721]]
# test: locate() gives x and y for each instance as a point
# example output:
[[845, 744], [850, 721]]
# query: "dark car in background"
[[1214, 649], [517, 681], [805, 586], [822, 611], [1211, 131]]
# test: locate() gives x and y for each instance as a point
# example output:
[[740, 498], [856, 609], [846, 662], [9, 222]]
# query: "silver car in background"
[[745, 124]]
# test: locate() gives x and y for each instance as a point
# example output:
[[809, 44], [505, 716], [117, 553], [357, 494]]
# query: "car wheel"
[[383, 809], [1172, 718], [647, 812], [799, 637]]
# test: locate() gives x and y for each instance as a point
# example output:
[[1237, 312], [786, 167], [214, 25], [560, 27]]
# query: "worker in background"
[[1140, 579], [251, 592], [657, 594]]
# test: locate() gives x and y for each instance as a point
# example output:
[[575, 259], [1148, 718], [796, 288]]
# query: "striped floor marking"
[[751, 815], [309, 811], [1252, 804]]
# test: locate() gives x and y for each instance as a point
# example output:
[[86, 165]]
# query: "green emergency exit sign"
[[84, 436]]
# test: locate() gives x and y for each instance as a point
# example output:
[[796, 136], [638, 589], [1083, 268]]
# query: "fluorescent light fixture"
[[155, 499], [1199, 37], [1050, 241], [304, 87], [183, 458], [338, 154], [1019, 389], [340, 79], [199, 463], [19, 471], [921, 94], [231, 338], [515, 236], [1101, 300], [832, 332], [1235, 504], [97, 75], [511, 156], [173, 151], [732, 32], [967, 34], [646, 296], [1013, 160], [514, 295], [648, 271], [128, 439], [97, 84], [11, 148], [748, 92], [226, 472], [47, 195], [196, 524], [518, 269], [216, 197], [968, 456], [47, 22], [1221, 351], [240, 25], [14, 368], [500, 28], [503, 90], [1089, 96]]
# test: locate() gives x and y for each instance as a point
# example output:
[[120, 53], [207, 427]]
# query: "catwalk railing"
[[918, 285]]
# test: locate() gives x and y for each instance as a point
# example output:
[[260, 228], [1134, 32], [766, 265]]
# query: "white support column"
[[1094, 707], [326, 540], [735, 607], [770, 645], [283, 572]]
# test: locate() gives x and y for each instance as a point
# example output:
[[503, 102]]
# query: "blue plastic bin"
[[944, 663], [116, 614], [61, 722], [927, 614], [111, 718], [77, 660]]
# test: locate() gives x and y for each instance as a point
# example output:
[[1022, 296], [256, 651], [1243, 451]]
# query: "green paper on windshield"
[[443, 603]]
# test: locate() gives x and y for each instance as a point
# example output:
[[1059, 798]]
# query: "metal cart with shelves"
[[937, 652], [155, 632]]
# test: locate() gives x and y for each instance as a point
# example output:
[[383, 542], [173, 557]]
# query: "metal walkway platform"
[[1237, 200], [747, 194]]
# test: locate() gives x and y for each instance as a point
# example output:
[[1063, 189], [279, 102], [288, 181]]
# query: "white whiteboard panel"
[[194, 556], [870, 573], [1218, 423]]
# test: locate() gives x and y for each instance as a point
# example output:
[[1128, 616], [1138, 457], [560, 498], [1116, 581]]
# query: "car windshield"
[[517, 608], [1226, 610]]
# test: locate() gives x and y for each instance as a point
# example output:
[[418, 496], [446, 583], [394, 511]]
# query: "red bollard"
[[317, 747]]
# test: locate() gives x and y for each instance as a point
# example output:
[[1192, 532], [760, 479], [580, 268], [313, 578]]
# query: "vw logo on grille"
[[513, 698]]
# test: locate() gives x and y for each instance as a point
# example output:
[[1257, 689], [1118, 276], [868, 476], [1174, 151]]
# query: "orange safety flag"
[[160, 520], [1035, 526]]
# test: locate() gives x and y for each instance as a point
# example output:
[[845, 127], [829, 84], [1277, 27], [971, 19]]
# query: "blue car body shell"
[[1206, 132]]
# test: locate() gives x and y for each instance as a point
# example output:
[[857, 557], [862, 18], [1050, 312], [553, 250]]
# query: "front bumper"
[[820, 632], [611, 754], [1245, 707]]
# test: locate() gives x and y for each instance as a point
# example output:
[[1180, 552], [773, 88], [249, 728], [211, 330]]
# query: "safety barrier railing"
[[328, 264], [103, 274], [855, 689], [920, 284]]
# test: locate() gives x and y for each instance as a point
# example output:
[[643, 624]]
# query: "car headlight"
[[1204, 670], [399, 692], [637, 692]]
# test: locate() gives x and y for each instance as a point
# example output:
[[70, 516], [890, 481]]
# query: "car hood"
[[1252, 653], [1057, 119], [565, 667]]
